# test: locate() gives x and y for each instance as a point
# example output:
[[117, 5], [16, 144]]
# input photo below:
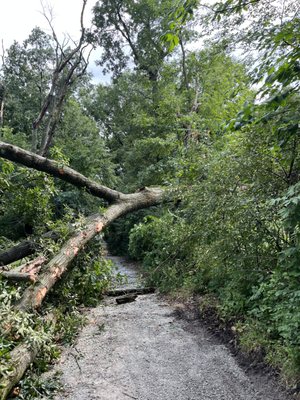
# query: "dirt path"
[[141, 350]]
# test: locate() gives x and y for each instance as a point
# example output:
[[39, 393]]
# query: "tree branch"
[[54, 168], [25, 272], [24, 249], [69, 67]]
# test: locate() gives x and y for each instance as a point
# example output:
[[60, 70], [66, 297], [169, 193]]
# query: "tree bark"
[[22, 356], [18, 276], [138, 291], [20, 359], [70, 66], [25, 272], [34, 295], [23, 249], [17, 252], [54, 168]]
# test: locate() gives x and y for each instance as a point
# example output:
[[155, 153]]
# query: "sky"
[[19, 17]]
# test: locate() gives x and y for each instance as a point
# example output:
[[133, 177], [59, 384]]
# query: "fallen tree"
[[24, 249], [20, 359], [34, 295], [15, 253], [119, 205]]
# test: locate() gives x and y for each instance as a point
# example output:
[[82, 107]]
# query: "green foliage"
[[34, 387], [90, 276], [26, 78], [117, 27], [16, 326], [26, 202], [79, 139], [270, 35], [235, 235], [224, 141], [181, 13]]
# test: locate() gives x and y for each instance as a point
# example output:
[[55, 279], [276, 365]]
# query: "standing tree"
[[38, 78]]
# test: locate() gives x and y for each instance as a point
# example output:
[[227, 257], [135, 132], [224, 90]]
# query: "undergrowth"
[[235, 236], [91, 274]]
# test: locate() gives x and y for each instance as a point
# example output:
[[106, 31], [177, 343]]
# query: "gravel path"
[[141, 350]]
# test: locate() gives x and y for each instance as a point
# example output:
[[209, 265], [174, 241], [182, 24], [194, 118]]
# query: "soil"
[[151, 349]]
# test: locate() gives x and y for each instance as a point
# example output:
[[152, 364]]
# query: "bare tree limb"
[[24, 249], [18, 276], [70, 66], [15, 253], [25, 272]]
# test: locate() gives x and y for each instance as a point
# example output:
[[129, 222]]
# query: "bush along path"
[[141, 350]]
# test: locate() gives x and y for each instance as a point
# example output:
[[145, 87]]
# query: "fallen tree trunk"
[[17, 252], [18, 276], [121, 204], [33, 296], [20, 358], [24, 249], [138, 291], [54, 168]]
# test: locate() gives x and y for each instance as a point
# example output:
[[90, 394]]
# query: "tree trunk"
[[33, 296], [22, 356], [25, 272], [54, 168], [20, 359]]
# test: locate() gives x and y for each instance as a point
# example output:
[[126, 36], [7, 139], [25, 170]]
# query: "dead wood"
[[22, 356], [138, 291], [70, 65], [128, 298], [33, 266], [24, 249], [19, 360], [54, 168], [33, 296], [25, 272], [18, 276], [15, 253]]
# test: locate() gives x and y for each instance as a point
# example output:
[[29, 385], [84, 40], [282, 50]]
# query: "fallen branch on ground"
[[138, 291], [24, 249], [128, 298], [25, 272]]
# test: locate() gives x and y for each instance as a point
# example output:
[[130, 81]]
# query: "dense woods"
[[197, 132]]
